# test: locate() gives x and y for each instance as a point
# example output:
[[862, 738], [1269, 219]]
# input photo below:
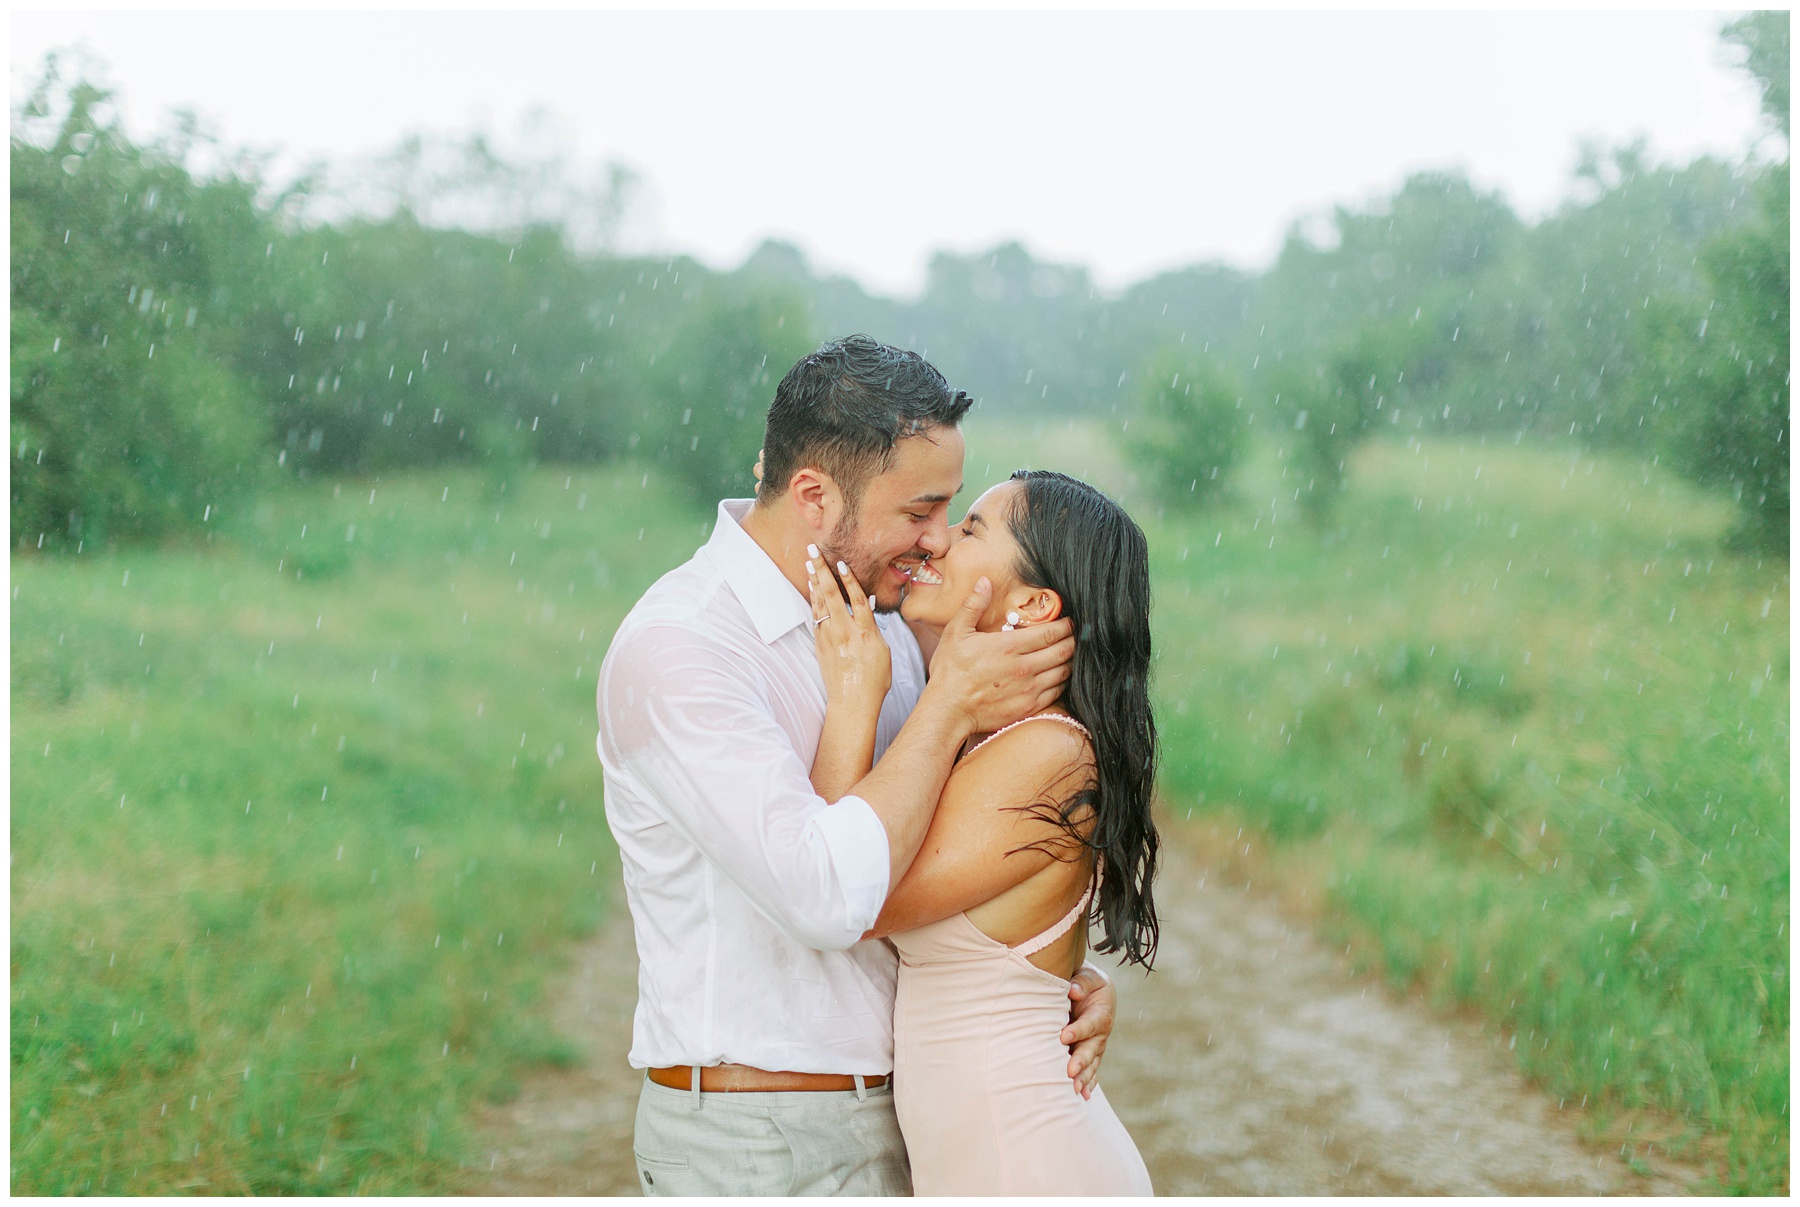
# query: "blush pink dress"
[[981, 1082]]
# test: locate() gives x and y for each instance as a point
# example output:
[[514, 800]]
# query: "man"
[[764, 1021]]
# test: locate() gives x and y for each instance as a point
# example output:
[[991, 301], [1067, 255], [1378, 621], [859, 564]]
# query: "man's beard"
[[843, 546]]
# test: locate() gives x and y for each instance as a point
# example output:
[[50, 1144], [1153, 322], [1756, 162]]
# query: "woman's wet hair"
[[1077, 542]]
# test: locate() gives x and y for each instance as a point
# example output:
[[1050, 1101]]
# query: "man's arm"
[[690, 732]]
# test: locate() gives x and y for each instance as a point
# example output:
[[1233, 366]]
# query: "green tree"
[[1395, 313], [124, 423], [709, 397], [1601, 282], [1334, 405], [388, 343], [1764, 37], [1727, 368], [1187, 430], [1743, 438]]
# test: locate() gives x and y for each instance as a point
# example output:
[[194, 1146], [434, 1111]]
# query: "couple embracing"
[[861, 890]]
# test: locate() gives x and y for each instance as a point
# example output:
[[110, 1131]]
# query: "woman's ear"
[[1037, 605]]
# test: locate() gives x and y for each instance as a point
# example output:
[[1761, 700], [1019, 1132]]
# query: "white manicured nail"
[[843, 569], [812, 551], [1012, 618], [809, 567]]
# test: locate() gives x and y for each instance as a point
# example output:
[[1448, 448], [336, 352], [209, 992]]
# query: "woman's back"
[[980, 1072]]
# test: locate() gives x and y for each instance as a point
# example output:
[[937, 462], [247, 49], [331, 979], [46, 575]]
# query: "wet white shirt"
[[748, 893]]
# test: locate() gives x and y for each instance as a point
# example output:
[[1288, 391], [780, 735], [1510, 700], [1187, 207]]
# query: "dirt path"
[[1250, 1063]]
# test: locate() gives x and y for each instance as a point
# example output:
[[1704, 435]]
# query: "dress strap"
[[1042, 716], [1039, 942]]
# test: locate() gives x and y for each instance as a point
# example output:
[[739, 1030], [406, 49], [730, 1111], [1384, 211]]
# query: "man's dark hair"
[[844, 406]]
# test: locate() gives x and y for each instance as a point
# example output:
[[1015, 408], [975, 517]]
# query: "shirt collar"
[[773, 604]]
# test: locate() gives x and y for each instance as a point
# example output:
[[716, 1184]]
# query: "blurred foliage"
[[712, 388], [124, 422], [1732, 371], [181, 337], [1736, 435], [1190, 427], [1764, 36], [451, 305]]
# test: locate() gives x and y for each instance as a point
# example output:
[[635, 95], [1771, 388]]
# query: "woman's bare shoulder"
[[1018, 765], [1046, 734]]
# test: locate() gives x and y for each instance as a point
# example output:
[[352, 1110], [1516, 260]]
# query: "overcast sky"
[[1130, 144]]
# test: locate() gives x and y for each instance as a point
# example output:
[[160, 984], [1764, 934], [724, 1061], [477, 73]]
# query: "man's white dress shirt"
[[748, 893]]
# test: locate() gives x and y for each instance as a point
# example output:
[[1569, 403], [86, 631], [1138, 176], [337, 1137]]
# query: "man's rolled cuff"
[[858, 845]]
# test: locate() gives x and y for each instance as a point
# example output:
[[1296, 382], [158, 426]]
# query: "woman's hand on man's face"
[[853, 655]]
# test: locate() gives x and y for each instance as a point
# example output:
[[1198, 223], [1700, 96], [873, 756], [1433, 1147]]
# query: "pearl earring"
[[1012, 621]]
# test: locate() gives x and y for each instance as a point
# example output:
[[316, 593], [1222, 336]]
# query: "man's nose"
[[936, 539]]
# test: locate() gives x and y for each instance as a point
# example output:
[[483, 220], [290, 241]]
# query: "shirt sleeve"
[[688, 724]]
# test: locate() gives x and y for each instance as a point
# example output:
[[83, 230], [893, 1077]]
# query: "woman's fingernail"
[[809, 567], [812, 551], [843, 569]]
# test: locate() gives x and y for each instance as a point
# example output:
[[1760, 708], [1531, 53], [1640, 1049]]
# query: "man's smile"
[[924, 575], [914, 568]]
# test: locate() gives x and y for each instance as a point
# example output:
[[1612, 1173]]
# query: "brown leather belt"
[[742, 1079]]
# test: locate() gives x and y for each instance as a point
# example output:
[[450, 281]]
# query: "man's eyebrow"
[[935, 499]]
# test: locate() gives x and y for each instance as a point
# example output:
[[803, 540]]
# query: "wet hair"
[[1077, 542], [844, 406]]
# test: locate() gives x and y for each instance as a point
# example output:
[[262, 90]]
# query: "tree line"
[[183, 338], [1648, 313]]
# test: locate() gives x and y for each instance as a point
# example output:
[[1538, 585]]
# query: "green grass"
[[300, 825], [1526, 720], [1589, 846]]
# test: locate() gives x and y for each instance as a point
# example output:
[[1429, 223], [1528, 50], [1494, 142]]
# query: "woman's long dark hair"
[[1077, 542]]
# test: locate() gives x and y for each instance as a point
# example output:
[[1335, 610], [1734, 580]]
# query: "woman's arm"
[[857, 667], [989, 833], [846, 748]]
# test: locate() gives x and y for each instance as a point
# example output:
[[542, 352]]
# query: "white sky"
[[1127, 143]]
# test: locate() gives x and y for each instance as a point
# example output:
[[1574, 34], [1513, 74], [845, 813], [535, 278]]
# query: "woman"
[[1041, 827]]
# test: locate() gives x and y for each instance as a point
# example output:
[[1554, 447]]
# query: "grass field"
[[301, 823]]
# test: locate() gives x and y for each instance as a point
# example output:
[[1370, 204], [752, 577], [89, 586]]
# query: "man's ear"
[[1039, 606], [816, 497]]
